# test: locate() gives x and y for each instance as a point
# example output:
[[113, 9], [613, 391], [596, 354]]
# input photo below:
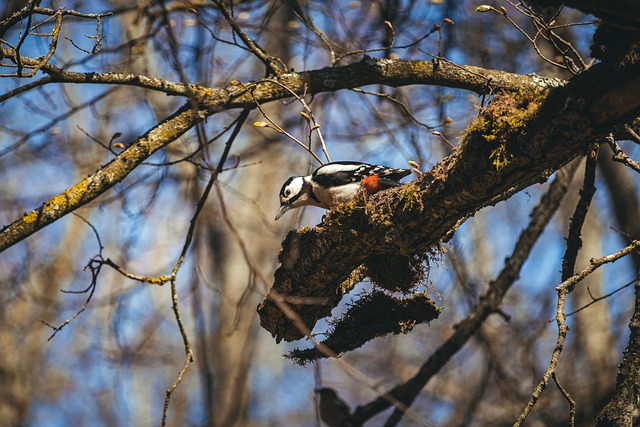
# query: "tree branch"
[[488, 304], [574, 239], [99, 182], [395, 73], [574, 243], [517, 141], [620, 156], [367, 71]]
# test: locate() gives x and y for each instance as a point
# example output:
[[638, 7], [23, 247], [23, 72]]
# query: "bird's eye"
[[287, 192]]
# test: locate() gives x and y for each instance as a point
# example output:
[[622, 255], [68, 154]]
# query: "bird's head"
[[292, 195]]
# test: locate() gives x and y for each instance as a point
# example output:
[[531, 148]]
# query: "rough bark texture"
[[622, 409], [512, 145]]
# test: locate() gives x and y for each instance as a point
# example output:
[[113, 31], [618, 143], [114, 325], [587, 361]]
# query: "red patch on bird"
[[372, 184]]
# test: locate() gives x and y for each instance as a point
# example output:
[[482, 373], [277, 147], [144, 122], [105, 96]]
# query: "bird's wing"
[[340, 173], [394, 174]]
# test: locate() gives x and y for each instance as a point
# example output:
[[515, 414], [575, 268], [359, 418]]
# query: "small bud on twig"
[[306, 116], [416, 167]]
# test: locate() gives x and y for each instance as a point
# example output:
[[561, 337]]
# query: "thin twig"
[[309, 116], [18, 57], [268, 60], [308, 22], [399, 103], [567, 396], [188, 358], [151, 280], [55, 120], [275, 126], [633, 133], [436, 28], [24, 12], [95, 272], [565, 288], [545, 30], [174, 295], [52, 49], [595, 263], [620, 156], [201, 147], [596, 299]]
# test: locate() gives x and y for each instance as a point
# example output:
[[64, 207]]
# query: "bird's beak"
[[282, 210]]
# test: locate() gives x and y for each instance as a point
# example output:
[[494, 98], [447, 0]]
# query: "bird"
[[333, 411], [336, 182]]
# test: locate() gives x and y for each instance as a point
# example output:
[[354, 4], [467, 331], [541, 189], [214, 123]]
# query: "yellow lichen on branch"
[[30, 217], [70, 197]]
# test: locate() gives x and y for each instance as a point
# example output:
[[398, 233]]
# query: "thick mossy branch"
[[318, 296], [502, 122], [396, 273], [531, 133], [374, 315]]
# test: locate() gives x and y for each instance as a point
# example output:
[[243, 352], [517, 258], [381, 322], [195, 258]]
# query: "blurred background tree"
[[182, 191]]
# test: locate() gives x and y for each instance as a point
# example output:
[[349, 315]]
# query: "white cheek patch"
[[294, 188]]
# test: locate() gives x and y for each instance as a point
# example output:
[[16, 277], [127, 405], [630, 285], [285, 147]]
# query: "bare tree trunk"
[[232, 344]]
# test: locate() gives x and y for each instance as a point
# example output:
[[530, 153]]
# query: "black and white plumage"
[[335, 183], [333, 411]]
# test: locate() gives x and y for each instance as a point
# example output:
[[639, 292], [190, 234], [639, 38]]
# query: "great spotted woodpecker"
[[336, 182]]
